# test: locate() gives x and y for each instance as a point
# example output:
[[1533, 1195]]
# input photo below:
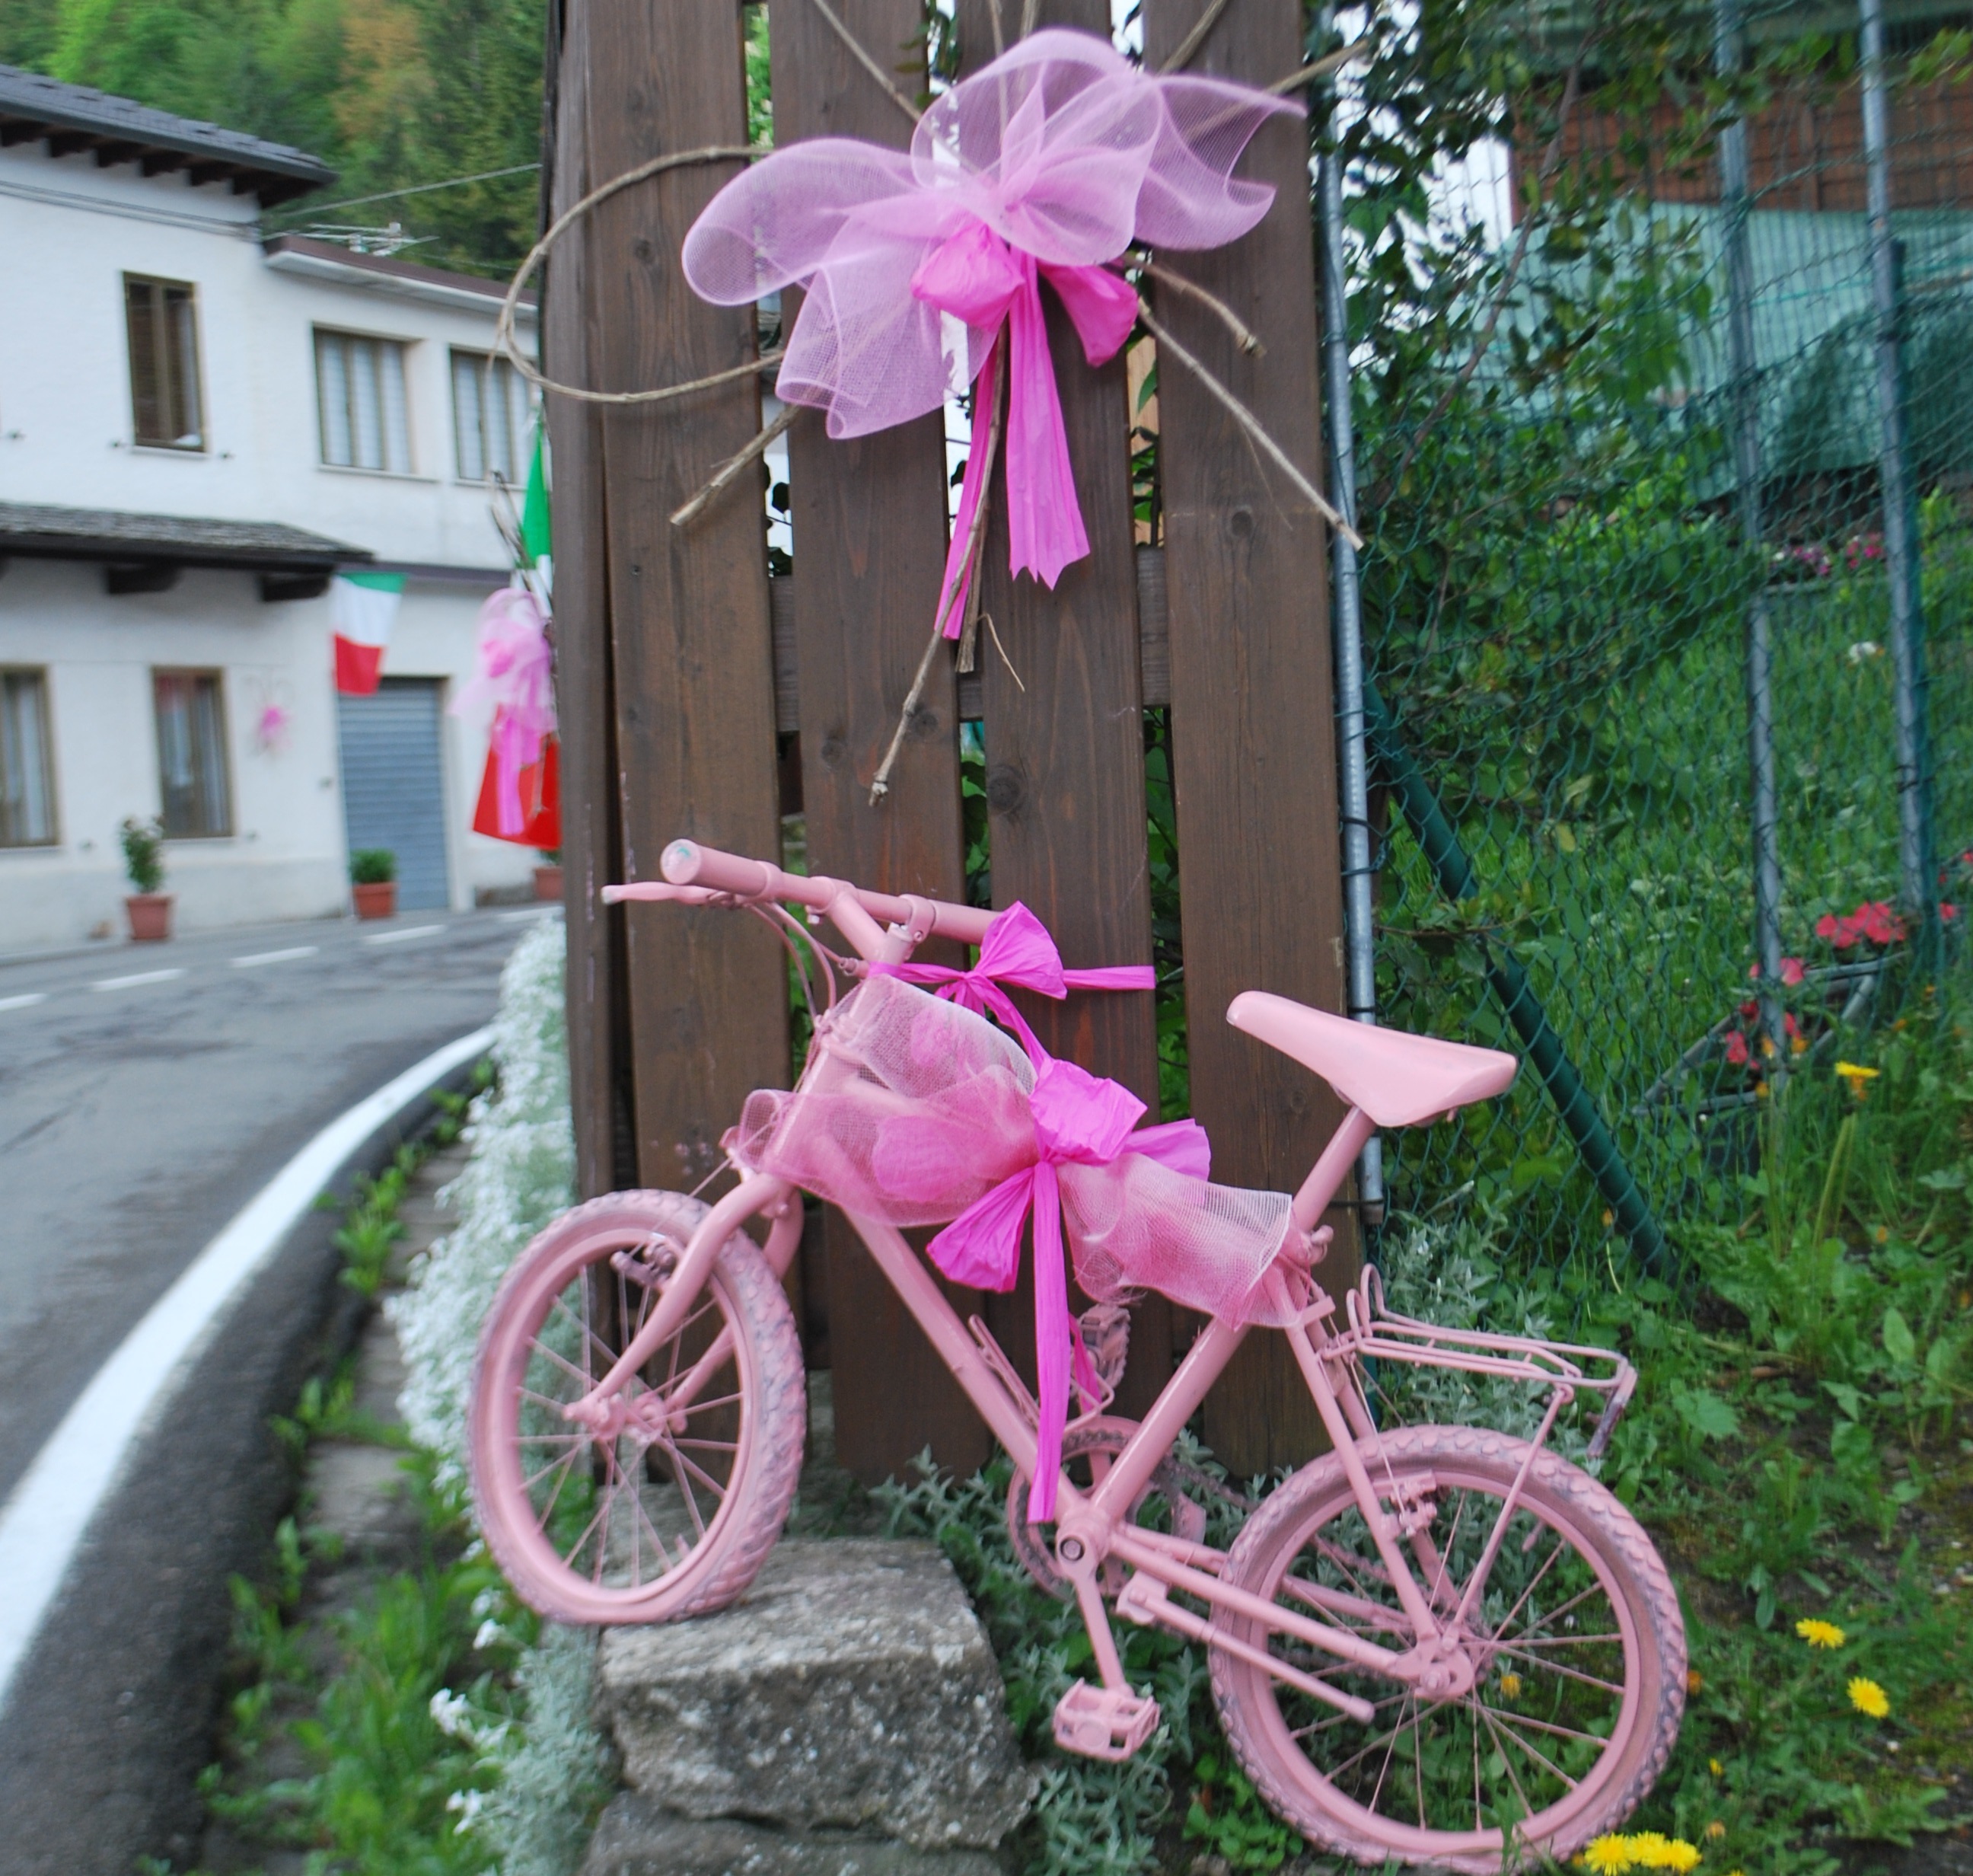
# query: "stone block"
[[851, 1688], [635, 1837]]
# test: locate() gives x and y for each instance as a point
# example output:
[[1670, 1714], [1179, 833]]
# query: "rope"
[[869, 64], [508, 346]]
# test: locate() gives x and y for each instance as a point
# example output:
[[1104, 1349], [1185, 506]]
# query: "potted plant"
[[373, 881], [150, 909], [547, 874]]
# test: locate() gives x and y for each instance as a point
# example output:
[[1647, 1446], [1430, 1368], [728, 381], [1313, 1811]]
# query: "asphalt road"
[[146, 1093]]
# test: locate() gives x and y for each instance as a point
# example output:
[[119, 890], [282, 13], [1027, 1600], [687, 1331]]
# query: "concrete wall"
[[65, 440], [286, 858]]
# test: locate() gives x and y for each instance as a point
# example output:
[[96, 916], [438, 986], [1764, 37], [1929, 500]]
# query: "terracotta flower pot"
[[547, 883], [378, 900], [150, 915]]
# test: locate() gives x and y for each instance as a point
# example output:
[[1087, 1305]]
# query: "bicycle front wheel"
[[671, 1508], [1576, 1637]]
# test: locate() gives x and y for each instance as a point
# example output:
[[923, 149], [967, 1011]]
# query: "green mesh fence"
[[1556, 596]]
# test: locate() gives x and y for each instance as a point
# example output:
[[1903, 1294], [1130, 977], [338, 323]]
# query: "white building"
[[196, 427]]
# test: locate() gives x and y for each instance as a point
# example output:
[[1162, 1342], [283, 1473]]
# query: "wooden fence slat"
[[689, 608], [1253, 726], [588, 755], [869, 526], [1065, 755]]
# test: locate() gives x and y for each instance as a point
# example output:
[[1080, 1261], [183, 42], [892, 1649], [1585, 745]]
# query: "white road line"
[[47, 1514], [398, 938], [21, 1003], [273, 957], [140, 977]]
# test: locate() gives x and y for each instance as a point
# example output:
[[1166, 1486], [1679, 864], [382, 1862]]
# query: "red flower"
[[1841, 932], [1792, 970], [1736, 1048], [1947, 913], [1750, 1009], [1789, 1023]]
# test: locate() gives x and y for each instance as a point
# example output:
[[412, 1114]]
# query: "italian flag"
[[362, 608]]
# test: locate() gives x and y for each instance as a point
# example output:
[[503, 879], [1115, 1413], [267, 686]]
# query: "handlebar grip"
[[685, 862]]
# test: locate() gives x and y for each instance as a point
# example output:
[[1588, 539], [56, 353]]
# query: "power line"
[[420, 188]]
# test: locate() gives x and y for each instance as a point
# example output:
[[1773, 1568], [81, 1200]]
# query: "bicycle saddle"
[[1399, 1080]]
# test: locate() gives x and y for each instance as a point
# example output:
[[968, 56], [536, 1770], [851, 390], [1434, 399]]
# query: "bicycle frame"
[[1093, 1527]]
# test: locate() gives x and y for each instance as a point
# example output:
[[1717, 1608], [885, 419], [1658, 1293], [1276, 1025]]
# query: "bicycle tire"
[[764, 1406], [1608, 1551]]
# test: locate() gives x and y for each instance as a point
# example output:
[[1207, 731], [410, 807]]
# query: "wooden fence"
[[683, 671]]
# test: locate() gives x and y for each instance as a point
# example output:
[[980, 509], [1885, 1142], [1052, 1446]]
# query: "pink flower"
[[1792, 970], [1788, 1022], [1736, 1048], [1947, 913], [1878, 923], [1839, 932]]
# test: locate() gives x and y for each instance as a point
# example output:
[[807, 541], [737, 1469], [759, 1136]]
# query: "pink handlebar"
[[697, 874]]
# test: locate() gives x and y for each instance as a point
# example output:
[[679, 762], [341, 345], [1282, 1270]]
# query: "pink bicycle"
[[1437, 1645]]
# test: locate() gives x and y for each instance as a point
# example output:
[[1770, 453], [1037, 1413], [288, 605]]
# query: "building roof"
[[407, 279], [174, 540], [73, 118]]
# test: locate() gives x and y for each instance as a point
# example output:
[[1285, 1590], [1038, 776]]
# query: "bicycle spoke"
[[1383, 1769], [562, 1361], [1562, 1641], [1553, 1555], [1506, 1721], [1556, 1666], [657, 1542], [547, 1510], [1561, 1732], [1343, 1719], [1513, 1777]]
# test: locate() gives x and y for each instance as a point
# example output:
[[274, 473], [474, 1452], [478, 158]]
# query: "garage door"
[[393, 785]]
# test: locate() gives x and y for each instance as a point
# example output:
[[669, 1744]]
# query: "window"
[[490, 417], [161, 317], [27, 780], [360, 386], [191, 754]]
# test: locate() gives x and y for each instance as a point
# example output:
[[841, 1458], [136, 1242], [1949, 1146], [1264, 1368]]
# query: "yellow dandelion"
[[1818, 1634], [1681, 1855], [1856, 1077], [1694, 1680], [1868, 1698], [1609, 1856], [1715, 1768], [1715, 1831], [1649, 1848], [1510, 1685]]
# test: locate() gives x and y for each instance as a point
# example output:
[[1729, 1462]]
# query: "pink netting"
[[1063, 149], [913, 1109], [1137, 1224], [910, 1109]]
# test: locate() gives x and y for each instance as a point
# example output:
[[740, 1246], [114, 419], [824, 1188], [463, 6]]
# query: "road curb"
[[46, 1519]]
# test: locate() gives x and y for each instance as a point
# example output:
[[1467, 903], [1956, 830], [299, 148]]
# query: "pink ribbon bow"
[[1017, 949], [515, 674], [1080, 1119], [1049, 162]]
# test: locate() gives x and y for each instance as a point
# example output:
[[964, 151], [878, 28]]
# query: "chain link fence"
[[1652, 589]]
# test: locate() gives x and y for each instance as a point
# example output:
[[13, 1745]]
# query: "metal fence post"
[[1901, 548], [1358, 908], [1745, 396]]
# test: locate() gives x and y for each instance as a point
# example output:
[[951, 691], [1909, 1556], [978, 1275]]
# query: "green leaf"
[[1706, 1413], [1898, 1342]]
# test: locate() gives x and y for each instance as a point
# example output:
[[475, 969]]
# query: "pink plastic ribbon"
[[1017, 949], [1080, 1119], [514, 672], [1049, 162]]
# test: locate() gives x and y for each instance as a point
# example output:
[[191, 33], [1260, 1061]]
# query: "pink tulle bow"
[[1082, 1119], [514, 672], [1047, 163], [1017, 949]]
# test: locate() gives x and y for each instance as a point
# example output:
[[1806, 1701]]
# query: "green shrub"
[[372, 866], [143, 843]]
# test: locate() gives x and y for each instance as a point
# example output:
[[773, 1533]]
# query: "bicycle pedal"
[[1103, 1722]]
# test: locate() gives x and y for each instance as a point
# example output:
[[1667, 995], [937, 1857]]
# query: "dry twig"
[[1195, 39], [869, 64], [1253, 426], [724, 475]]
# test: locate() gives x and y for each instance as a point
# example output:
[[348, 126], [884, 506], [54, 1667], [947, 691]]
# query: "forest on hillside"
[[395, 94]]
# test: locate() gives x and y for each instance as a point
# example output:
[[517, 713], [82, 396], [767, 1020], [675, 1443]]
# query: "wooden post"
[[590, 844], [1253, 719], [869, 525], [1065, 750], [690, 646]]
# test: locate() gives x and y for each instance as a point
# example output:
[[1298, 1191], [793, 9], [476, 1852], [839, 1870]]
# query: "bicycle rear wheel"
[[1578, 1645], [671, 1509]]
